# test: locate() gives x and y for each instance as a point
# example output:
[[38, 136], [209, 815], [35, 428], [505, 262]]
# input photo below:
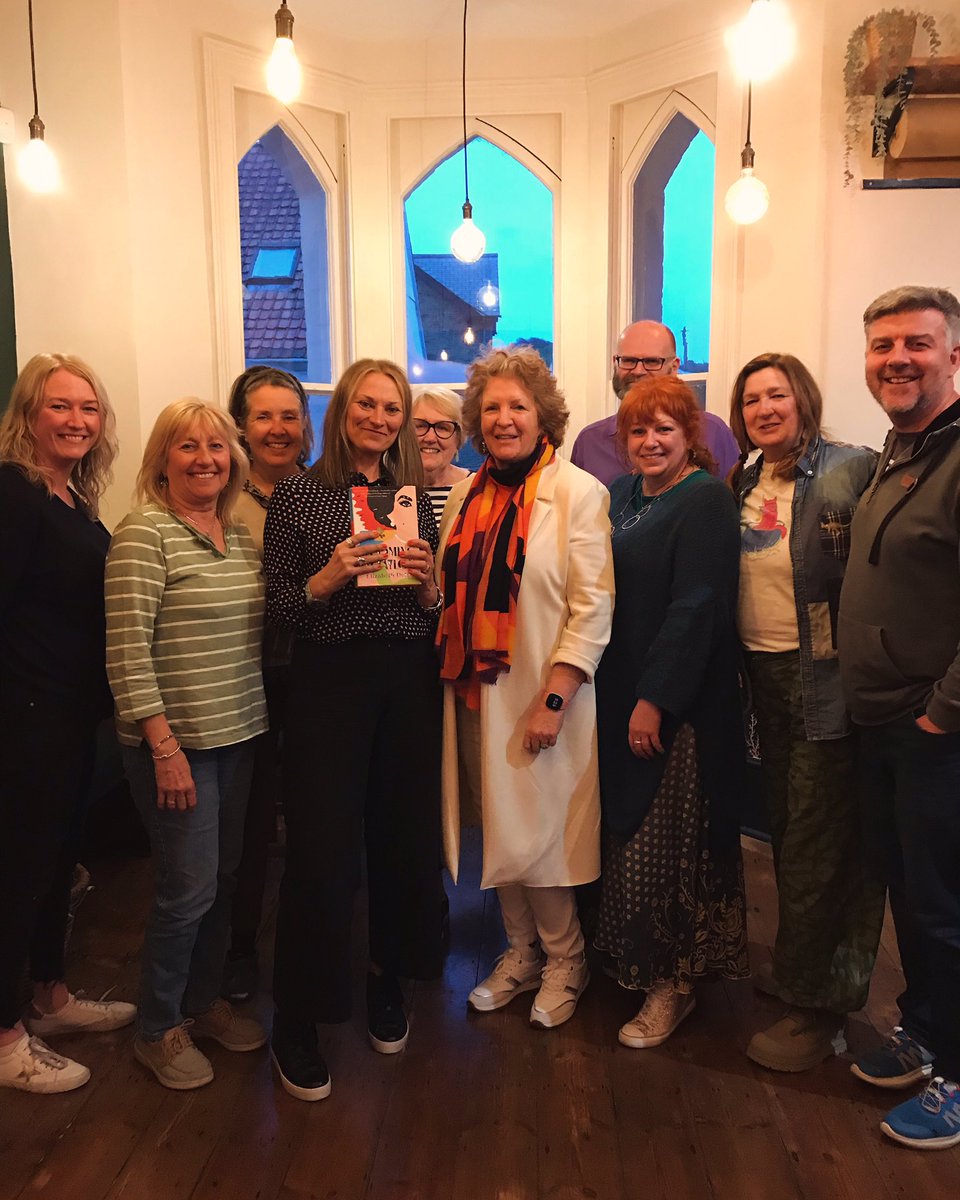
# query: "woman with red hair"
[[668, 716]]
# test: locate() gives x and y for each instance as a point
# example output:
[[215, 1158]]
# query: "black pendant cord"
[[463, 106], [33, 60], [749, 109]]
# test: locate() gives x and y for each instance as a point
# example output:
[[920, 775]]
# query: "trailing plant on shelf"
[[878, 51]]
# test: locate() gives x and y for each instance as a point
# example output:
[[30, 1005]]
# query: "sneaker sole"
[[174, 1085], [492, 1003], [50, 1087], [383, 1047], [892, 1082], [236, 1047], [301, 1093], [559, 1016], [937, 1143], [646, 1043]]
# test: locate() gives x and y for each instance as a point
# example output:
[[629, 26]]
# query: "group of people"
[[566, 667]]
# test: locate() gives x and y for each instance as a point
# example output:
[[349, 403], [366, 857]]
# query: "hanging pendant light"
[[467, 242], [469, 337], [37, 164], [284, 74], [763, 42], [747, 199], [488, 296]]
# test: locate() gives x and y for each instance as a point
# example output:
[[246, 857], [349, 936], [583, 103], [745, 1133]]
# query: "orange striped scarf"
[[480, 579]]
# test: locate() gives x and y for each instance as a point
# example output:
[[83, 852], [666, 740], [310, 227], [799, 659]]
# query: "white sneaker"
[[564, 980], [662, 1012], [30, 1066], [515, 972], [80, 1015]]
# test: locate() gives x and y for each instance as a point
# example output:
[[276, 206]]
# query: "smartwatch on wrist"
[[554, 702]]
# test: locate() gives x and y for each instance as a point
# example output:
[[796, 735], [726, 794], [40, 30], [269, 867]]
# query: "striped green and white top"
[[184, 630]]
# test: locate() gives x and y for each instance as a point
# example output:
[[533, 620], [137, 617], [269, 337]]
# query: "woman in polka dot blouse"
[[361, 730]]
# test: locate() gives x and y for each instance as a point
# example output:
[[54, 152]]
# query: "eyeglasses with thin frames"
[[443, 429]]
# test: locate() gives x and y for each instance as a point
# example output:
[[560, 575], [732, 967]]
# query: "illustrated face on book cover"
[[388, 517]]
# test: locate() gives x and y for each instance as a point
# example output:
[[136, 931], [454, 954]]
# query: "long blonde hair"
[[18, 444], [335, 465], [172, 423]]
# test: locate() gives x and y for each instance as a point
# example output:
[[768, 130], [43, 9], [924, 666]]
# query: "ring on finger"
[[360, 560]]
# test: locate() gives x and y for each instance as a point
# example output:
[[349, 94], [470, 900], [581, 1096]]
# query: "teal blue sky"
[[514, 210]]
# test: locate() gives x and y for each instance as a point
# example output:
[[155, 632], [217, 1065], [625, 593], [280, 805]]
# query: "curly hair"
[[335, 465], [18, 444], [173, 422], [669, 395], [258, 377], [806, 394], [526, 366]]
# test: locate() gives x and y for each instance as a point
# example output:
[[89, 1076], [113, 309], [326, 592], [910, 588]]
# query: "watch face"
[[554, 701]]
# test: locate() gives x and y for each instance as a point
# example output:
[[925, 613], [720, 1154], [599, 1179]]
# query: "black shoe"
[[294, 1050], [387, 1025], [241, 974]]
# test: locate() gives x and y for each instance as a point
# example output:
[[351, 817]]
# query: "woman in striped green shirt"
[[185, 599]]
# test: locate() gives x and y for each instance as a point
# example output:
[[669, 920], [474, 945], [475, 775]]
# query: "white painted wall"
[[125, 266]]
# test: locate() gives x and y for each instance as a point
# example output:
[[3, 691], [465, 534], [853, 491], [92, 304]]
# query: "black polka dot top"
[[305, 523]]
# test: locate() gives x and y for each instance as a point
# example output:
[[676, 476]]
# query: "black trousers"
[[47, 753], [911, 793], [361, 766]]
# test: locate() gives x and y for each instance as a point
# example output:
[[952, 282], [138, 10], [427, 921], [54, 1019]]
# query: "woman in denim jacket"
[[796, 501]]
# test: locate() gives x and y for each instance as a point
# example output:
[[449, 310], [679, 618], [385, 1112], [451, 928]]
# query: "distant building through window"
[[283, 251], [673, 241], [454, 309]]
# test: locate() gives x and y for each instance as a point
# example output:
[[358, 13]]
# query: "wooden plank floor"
[[478, 1107]]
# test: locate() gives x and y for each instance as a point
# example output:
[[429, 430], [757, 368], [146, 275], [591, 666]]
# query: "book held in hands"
[[385, 516]]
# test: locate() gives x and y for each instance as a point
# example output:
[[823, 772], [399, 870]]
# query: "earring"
[[162, 479]]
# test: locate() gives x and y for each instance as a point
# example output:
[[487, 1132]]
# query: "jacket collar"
[[806, 466]]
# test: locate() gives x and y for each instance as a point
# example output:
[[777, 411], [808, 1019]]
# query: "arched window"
[[673, 239], [284, 260], [454, 309]]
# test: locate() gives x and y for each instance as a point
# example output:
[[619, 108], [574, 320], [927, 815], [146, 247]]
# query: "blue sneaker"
[[930, 1121], [899, 1062]]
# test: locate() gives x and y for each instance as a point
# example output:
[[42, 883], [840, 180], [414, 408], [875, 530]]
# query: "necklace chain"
[[651, 501]]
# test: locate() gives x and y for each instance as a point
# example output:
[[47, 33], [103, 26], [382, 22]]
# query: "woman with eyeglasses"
[[436, 422]]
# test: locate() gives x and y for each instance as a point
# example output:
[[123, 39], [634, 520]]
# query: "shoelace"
[[904, 1048], [936, 1095], [43, 1055], [657, 1005]]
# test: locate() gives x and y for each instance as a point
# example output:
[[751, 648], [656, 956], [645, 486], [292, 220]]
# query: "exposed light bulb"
[[469, 337], [747, 199], [488, 295], [763, 42], [284, 73], [444, 356], [37, 165], [416, 370], [467, 242]]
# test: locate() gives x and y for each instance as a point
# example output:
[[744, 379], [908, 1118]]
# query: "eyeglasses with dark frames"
[[443, 429], [627, 362]]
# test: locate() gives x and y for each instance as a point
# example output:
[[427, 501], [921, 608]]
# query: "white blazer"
[[541, 812]]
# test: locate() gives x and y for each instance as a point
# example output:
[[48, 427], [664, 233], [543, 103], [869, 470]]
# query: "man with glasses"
[[645, 348]]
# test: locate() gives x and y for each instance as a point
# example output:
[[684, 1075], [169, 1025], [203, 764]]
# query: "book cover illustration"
[[387, 516]]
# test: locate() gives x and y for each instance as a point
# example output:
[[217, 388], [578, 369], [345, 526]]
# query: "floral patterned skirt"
[[672, 907]]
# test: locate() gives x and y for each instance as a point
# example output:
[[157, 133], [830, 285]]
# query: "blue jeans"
[[195, 857], [911, 783]]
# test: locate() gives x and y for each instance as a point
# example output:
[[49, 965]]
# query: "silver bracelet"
[[311, 598], [434, 608]]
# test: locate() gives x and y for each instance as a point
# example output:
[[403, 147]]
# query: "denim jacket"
[[831, 477]]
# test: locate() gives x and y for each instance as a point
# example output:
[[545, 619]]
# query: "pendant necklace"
[[647, 502]]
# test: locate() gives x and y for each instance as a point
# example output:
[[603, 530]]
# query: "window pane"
[[673, 239], [507, 295], [283, 251]]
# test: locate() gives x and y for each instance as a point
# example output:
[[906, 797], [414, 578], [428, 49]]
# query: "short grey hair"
[[914, 298], [444, 400]]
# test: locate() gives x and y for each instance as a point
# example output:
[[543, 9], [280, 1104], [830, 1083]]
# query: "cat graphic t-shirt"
[[767, 614]]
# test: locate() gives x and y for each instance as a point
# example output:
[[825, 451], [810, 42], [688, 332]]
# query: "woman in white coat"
[[526, 573]]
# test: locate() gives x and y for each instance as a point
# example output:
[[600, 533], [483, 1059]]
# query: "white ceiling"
[[399, 19]]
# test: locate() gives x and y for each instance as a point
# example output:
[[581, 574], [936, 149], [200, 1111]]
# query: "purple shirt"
[[595, 449]]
